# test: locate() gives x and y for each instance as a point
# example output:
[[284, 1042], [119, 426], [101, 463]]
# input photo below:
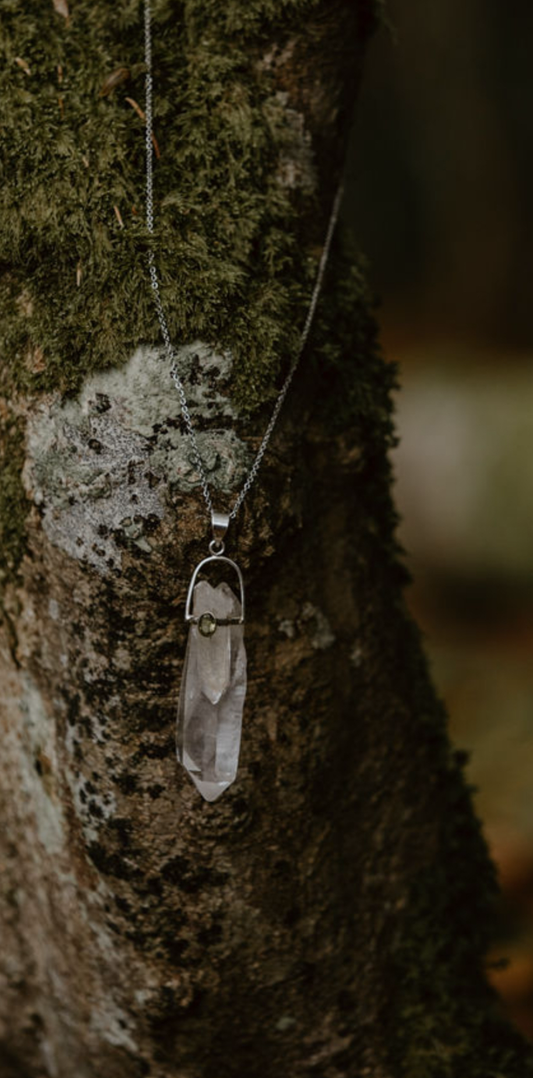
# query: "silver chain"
[[154, 280]]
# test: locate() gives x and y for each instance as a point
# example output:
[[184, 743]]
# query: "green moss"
[[234, 267], [14, 505], [355, 381]]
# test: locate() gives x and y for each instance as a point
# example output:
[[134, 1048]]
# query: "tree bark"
[[329, 915]]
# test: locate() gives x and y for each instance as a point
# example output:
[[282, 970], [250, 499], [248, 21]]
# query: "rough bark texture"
[[329, 915]]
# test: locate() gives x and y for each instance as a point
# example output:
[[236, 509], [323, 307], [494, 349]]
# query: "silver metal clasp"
[[219, 524], [217, 558]]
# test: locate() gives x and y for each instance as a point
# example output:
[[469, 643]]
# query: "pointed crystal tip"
[[209, 790]]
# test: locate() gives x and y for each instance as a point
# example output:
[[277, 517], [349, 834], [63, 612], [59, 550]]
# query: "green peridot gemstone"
[[207, 624]]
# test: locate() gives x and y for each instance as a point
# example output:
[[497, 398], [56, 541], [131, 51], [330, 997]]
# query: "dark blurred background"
[[441, 203]]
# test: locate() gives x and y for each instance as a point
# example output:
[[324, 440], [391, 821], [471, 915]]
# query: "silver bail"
[[219, 524]]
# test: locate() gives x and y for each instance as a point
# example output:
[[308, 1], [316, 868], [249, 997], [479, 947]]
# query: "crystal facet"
[[212, 692]]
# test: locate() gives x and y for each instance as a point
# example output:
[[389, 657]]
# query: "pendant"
[[213, 685]]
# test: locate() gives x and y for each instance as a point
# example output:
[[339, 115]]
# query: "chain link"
[[154, 280]]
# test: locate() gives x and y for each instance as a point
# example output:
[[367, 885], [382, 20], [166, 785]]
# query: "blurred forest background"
[[441, 203]]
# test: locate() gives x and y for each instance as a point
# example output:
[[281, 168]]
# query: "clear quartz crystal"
[[212, 694]]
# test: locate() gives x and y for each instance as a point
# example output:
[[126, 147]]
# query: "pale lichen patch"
[[100, 467], [53, 609], [38, 768], [287, 627], [296, 167], [92, 806], [356, 655], [114, 1025], [318, 627], [285, 1022]]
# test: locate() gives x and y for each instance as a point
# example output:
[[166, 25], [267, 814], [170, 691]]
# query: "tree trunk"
[[329, 915]]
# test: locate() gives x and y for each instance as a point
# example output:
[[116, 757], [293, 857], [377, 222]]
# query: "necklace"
[[213, 685]]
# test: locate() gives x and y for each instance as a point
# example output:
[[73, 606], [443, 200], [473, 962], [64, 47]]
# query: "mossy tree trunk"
[[329, 915]]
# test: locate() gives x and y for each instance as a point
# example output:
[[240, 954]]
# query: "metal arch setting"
[[215, 557]]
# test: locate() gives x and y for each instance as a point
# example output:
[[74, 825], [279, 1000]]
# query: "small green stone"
[[207, 624]]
